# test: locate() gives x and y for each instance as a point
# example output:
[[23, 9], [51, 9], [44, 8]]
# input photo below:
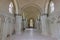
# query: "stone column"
[[38, 24], [5, 29], [25, 23], [44, 24], [18, 23], [11, 26], [1, 25]]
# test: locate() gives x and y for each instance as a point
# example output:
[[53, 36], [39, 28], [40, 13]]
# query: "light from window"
[[31, 22], [51, 6], [11, 7]]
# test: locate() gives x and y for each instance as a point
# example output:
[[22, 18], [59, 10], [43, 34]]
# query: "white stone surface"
[[38, 25], [18, 23], [31, 34], [54, 26], [44, 25], [7, 27]]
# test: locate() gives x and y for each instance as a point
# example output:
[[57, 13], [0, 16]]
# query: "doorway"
[[31, 23]]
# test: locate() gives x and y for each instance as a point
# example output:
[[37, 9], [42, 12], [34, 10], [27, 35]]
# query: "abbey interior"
[[29, 19]]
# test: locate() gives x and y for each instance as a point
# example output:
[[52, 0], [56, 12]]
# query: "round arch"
[[15, 6], [47, 6]]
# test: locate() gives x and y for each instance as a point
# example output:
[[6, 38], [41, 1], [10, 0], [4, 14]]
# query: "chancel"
[[29, 19]]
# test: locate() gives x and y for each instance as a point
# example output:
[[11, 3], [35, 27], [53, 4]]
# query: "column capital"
[[44, 14], [17, 14]]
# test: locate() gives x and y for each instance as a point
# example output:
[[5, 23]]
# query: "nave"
[[31, 34], [18, 15]]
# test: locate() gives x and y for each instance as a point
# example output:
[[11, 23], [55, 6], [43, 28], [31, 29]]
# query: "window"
[[31, 22], [11, 7], [51, 6]]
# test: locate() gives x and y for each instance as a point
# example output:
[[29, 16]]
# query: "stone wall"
[[54, 20], [7, 22]]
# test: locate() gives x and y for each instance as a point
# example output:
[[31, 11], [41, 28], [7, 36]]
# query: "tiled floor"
[[31, 35]]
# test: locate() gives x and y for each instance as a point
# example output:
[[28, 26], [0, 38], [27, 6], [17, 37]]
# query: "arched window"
[[11, 8], [51, 6], [31, 22]]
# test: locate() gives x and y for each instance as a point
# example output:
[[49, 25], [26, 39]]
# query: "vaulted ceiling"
[[31, 12]]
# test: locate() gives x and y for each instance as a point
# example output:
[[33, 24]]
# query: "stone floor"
[[31, 34]]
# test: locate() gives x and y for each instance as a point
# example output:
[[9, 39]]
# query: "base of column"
[[18, 32], [46, 34]]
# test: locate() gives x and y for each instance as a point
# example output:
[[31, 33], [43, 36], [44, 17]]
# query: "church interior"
[[29, 19]]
